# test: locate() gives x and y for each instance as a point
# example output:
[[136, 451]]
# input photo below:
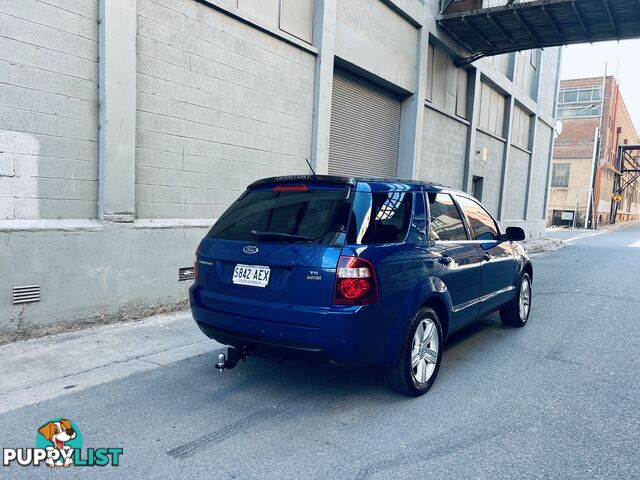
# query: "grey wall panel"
[[48, 110], [365, 128], [539, 171], [516, 184], [219, 105], [443, 149], [490, 170], [372, 36], [548, 79], [264, 10]]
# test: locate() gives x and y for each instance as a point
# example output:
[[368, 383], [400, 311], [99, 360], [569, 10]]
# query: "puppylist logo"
[[59, 444]]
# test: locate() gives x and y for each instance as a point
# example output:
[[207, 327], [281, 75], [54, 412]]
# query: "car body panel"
[[295, 314]]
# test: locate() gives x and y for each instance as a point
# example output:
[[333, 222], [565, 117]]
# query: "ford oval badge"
[[250, 249]]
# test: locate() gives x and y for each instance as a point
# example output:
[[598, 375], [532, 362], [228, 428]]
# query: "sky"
[[586, 60]]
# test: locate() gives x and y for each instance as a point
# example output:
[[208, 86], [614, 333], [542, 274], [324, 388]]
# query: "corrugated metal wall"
[[365, 128]]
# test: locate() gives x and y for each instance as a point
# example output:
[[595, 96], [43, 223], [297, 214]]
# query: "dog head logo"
[[59, 434]]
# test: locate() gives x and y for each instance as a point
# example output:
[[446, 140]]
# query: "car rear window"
[[312, 215], [380, 217]]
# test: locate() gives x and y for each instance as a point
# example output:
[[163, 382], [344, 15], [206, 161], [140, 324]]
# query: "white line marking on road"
[[635, 244], [578, 237]]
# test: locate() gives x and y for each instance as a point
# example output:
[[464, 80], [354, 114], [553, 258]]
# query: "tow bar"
[[232, 357]]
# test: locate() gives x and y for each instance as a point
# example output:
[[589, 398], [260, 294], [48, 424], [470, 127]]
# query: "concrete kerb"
[[543, 245], [95, 356]]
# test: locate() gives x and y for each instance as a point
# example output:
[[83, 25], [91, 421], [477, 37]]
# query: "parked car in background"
[[356, 271]]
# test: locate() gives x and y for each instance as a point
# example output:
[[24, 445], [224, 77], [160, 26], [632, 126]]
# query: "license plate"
[[252, 275]]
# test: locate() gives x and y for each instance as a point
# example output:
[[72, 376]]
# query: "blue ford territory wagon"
[[356, 271]]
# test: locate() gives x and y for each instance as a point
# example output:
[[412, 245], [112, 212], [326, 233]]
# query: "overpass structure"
[[493, 27]]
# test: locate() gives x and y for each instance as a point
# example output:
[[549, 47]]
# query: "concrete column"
[[117, 119], [533, 129], [324, 38], [552, 141], [412, 114], [473, 109], [508, 120]]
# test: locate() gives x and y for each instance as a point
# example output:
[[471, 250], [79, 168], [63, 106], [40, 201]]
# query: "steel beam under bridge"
[[493, 27]]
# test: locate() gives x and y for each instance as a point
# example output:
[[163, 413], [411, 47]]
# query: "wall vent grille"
[[26, 294], [185, 274]]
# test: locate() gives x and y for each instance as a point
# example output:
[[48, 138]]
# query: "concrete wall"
[[548, 81], [490, 170], [92, 272], [516, 186], [363, 38], [539, 171], [443, 153], [220, 104], [48, 109], [220, 99]]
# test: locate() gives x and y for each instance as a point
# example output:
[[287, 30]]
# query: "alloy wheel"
[[525, 298], [424, 353]]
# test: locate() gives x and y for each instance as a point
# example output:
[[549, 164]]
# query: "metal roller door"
[[365, 128]]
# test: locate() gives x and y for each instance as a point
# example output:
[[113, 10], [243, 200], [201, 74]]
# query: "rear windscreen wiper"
[[282, 236]]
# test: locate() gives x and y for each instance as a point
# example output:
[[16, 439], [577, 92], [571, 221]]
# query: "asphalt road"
[[557, 399]]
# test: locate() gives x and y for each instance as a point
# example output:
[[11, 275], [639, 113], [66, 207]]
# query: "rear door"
[[275, 250], [498, 264], [458, 261]]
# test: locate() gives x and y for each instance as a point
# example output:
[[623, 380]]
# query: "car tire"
[[419, 361], [516, 313]]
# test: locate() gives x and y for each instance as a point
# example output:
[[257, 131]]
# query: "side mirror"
[[514, 234]]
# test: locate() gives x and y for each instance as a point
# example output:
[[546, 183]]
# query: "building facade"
[[128, 126], [594, 120]]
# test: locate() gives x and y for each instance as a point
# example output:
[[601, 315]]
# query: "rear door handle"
[[445, 260], [486, 257]]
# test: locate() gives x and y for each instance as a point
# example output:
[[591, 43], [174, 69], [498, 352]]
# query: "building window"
[[446, 84], [491, 112], [578, 112], [579, 102], [521, 128], [292, 16], [560, 175], [526, 68], [580, 94], [502, 63], [296, 18]]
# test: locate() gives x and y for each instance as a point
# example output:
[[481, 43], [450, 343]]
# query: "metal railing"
[[457, 6]]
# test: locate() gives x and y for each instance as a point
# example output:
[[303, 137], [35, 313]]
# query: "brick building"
[[128, 126], [585, 161]]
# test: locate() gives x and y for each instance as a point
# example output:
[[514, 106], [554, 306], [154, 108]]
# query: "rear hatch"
[[272, 255]]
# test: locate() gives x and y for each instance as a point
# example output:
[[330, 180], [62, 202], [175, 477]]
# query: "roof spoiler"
[[305, 178]]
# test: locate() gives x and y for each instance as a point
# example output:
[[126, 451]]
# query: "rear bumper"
[[341, 335], [265, 347]]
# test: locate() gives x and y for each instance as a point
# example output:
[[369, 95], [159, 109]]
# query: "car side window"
[[483, 227], [446, 223], [380, 217]]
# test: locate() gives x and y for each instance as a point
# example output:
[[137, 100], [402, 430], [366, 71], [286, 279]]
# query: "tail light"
[[355, 282]]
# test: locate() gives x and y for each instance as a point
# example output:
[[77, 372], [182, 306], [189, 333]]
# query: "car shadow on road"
[[285, 376]]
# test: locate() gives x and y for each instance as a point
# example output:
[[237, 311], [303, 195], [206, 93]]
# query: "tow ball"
[[232, 357]]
